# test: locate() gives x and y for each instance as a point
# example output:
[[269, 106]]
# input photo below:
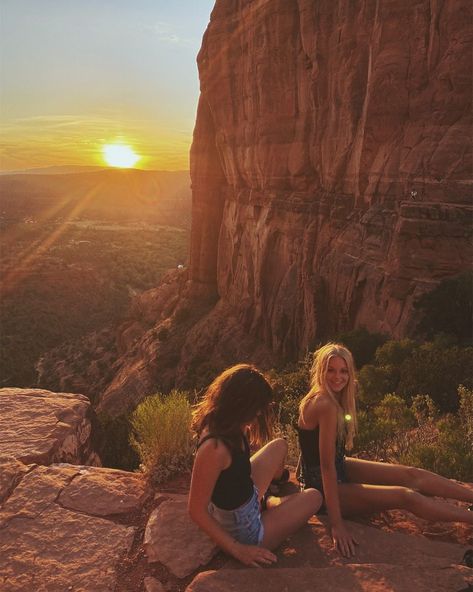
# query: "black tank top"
[[309, 445], [234, 485]]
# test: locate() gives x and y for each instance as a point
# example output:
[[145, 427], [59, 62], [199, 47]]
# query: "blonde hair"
[[347, 421]]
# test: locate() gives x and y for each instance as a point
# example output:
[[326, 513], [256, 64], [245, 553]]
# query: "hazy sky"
[[75, 74]]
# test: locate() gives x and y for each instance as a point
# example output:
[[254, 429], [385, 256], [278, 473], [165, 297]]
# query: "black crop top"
[[234, 485], [310, 451]]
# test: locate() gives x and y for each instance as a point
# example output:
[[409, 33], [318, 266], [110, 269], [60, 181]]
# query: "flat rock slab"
[[103, 492], [349, 578], [38, 426], [174, 540], [312, 546], [45, 546]]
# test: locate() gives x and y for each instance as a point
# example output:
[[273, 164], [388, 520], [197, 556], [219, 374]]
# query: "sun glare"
[[120, 155]]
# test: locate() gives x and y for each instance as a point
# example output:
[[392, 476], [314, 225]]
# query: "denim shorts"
[[312, 477], [244, 523]]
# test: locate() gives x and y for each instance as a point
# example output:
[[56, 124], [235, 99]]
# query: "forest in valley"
[[75, 249]]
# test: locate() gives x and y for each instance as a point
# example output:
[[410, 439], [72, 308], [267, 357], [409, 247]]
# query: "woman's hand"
[[253, 555], [343, 541]]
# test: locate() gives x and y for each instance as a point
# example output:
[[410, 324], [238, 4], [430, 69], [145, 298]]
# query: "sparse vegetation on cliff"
[[161, 434], [448, 309]]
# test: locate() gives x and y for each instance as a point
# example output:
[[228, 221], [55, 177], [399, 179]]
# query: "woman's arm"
[[327, 414], [209, 462]]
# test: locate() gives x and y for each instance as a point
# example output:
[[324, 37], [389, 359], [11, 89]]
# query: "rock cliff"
[[331, 176], [331, 163]]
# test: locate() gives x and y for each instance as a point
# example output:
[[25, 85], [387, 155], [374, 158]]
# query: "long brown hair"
[[239, 395], [347, 421]]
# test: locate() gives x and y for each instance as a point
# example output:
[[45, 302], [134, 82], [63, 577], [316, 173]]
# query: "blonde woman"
[[228, 483], [350, 486]]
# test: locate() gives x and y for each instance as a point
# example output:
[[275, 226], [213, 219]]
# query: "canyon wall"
[[331, 158]]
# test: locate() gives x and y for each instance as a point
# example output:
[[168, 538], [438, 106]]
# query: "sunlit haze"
[[78, 76]]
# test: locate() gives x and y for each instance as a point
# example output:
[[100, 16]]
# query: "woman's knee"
[[313, 498], [279, 446], [408, 498], [415, 477]]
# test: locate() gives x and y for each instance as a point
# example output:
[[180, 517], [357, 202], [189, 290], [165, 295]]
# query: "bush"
[[290, 386], [466, 412], [451, 455], [448, 309], [424, 409], [437, 371], [374, 382], [161, 434], [362, 344], [443, 445], [382, 432], [394, 353]]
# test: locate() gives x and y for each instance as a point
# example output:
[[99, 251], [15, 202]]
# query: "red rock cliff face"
[[330, 165]]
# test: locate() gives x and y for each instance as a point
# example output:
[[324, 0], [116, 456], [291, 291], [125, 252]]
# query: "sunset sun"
[[120, 155]]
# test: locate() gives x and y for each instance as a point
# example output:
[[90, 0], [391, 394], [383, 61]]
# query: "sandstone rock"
[[153, 585], [174, 540], [314, 548], [44, 546], [363, 578], [103, 492], [44, 427], [10, 474], [323, 122]]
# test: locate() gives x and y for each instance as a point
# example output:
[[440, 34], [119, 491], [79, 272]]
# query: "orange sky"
[[77, 75]]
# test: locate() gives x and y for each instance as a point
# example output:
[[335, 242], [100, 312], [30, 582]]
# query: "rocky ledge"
[[39, 426], [91, 529]]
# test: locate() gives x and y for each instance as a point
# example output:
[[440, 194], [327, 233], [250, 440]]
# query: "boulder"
[[39, 426], [174, 540], [103, 492]]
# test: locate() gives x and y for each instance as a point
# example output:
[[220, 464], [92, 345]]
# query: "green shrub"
[[466, 412], [161, 434], [382, 432], [451, 455], [424, 409], [437, 371], [374, 382], [290, 386], [448, 309], [393, 353], [362, 344]]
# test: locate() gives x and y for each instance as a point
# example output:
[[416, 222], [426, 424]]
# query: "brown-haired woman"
[[227, 484], [327, 422]]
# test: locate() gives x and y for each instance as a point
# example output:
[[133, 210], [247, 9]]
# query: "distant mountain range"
[[54, 170], [105, 194]]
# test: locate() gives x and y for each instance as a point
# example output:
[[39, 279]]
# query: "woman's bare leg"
[[428, 483], [268, 464], [357, 498], [289, 516]]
